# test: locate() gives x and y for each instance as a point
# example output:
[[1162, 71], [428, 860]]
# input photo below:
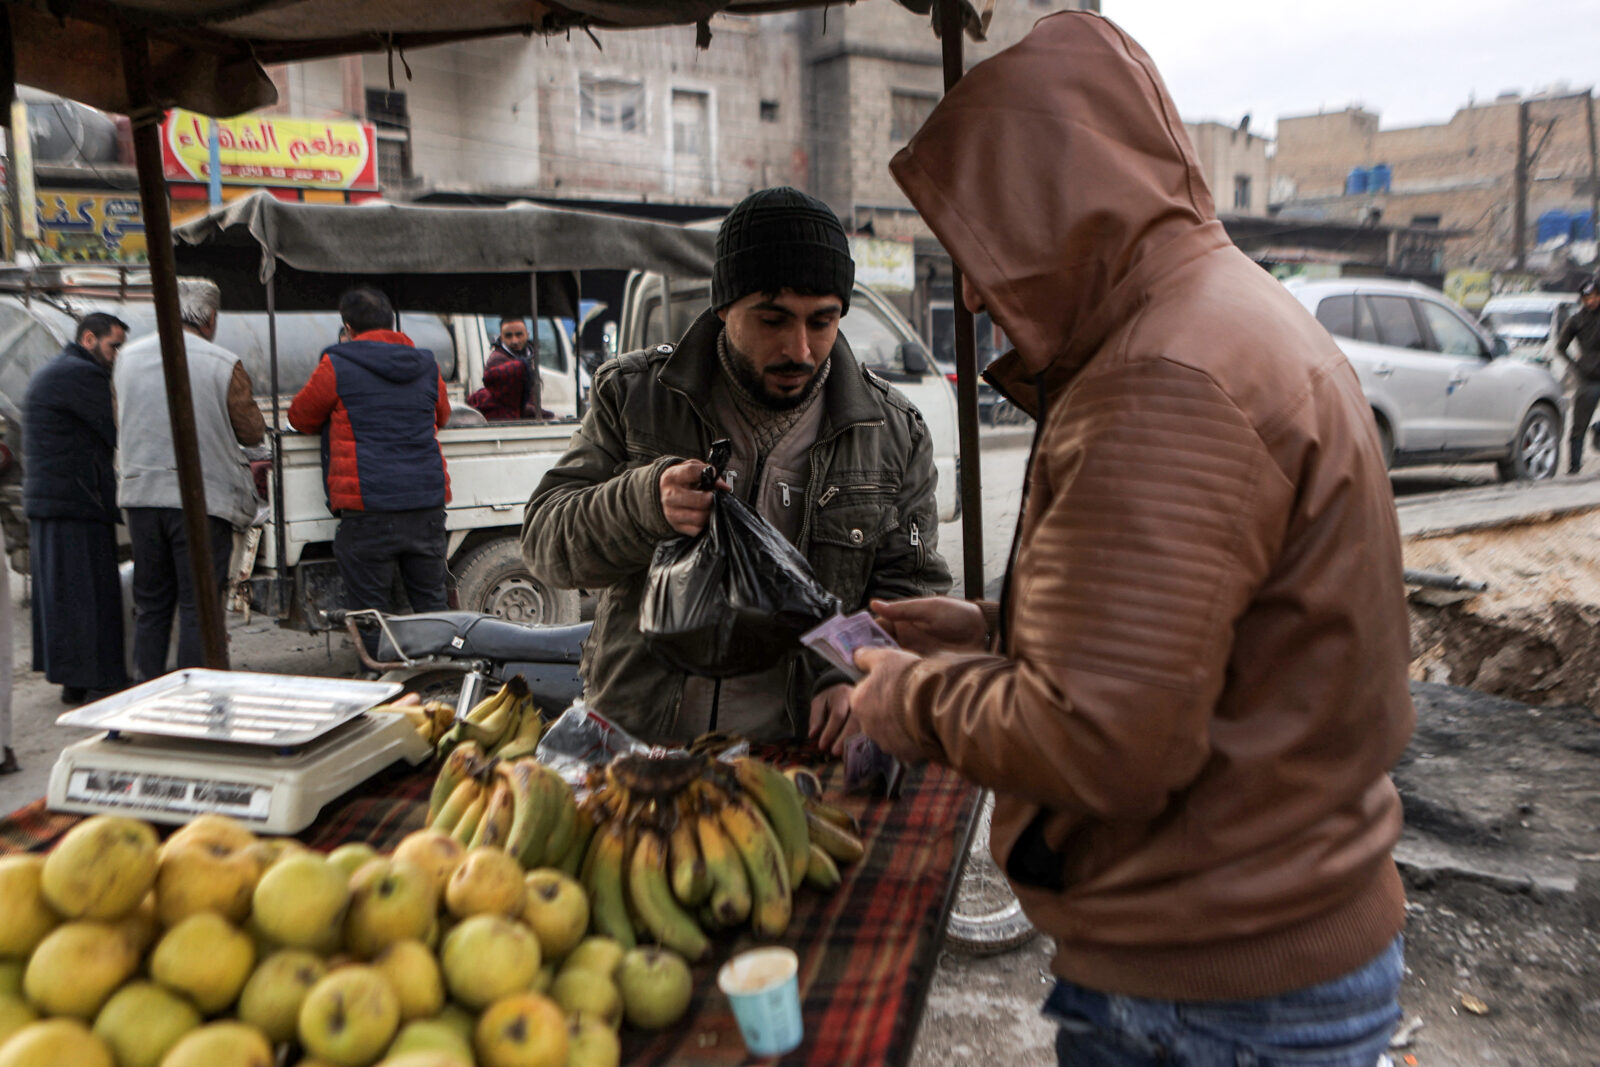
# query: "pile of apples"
[[218, 949]]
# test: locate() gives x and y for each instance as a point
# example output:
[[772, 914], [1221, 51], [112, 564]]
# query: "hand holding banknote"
[[933, 624]]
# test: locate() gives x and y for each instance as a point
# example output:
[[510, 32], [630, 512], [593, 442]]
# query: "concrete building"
[[1457, 175], [1234, 161]]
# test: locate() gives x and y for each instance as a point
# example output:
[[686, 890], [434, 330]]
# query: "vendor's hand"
[[873, 709], [831, 722], [933, 624], [686, 506]]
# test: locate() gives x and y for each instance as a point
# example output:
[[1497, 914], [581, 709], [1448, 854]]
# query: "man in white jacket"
[[226, 417]]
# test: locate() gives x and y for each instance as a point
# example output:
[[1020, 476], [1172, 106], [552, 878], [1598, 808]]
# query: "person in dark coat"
[[69, 494], [512, 386]]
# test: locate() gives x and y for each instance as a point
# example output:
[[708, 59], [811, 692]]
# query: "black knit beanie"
[[781, 239]]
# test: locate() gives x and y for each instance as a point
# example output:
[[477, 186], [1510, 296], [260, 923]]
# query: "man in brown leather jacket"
[[1189, 699]]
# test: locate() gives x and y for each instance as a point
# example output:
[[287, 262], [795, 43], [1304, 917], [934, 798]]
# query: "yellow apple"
[[413, 974], [656, 987], [390, 901], [437, 853], [300, 901], [558, 910], [431, 1035], [210, 829], [269, 850], [273, 994], [352, 856], [55, 1043], [581, 991], [77, 967], [526, 1030], [205, 958], [11, 978], [14, 1015], [142, 925], [600, 954], [24, 916], [100, 869], [142, 1021], [216, 1044], [488, 957], [423, 1058], [349, 1017], [591, 1043], [205, 876], [488, 882], [459, 1019]]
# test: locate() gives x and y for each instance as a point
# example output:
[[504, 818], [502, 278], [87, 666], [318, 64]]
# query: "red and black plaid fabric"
[[867, 951]]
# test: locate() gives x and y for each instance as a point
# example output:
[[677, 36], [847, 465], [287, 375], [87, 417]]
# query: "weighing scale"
[[267, 749]]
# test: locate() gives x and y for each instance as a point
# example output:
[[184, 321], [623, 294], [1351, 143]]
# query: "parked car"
[[1441, 390], [1529, 324]]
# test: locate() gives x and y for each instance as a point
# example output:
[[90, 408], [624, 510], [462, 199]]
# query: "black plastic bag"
[[734, 598]]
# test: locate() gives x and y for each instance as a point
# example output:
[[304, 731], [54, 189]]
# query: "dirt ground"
[[1501, 853]]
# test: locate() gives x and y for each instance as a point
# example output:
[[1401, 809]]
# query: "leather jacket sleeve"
[[1125, 591], [594, 520]]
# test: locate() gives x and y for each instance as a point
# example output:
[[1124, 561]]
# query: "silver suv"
[[1441, 390]]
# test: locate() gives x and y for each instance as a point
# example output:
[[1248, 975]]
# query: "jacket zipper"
[[916, 543], [785, 487], [834, 490]]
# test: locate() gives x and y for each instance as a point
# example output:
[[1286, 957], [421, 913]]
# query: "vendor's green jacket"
[[870, 528]]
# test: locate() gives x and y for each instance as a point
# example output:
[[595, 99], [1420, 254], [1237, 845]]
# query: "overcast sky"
[[1411, 61]]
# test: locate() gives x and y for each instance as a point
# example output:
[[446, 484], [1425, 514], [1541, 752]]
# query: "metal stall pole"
[[280, 539], [533, 342], [577, 346], [146, 116], [966, 359]]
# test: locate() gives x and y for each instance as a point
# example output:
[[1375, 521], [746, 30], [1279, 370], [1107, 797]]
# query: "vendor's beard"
[[751, 381]]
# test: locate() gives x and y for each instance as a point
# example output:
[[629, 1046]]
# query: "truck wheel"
[[494, 580]]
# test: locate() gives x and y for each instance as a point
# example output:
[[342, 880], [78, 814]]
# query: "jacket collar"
[[73, 348], [693, 366]]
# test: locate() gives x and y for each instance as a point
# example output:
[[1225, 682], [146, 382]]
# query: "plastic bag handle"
[[716, 463]]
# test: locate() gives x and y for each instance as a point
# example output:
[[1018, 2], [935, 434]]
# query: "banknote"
[[838, 638]]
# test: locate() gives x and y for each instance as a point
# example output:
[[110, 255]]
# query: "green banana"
[[467, 828], [456, 805], [821, 871], [546, 810], [771, 892], [460, 764], [564, 823], [521, 778], [836, 841], [497, 815], [780, 802], [654, 903], [524, 741], [582, 834], [608, 911]]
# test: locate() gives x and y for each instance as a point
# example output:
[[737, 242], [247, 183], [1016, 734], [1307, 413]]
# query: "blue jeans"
[[1342, 1023]]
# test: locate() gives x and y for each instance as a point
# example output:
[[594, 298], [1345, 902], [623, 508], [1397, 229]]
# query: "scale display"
[[169, 793]]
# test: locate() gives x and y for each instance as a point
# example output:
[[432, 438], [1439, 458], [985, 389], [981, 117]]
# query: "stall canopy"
[[438, 259], [207, 55]]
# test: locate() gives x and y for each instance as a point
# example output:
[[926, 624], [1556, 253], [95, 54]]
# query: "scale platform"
[[267, 749]]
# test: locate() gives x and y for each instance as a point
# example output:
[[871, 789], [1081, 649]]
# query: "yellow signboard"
[[257, 150], [79, 227]]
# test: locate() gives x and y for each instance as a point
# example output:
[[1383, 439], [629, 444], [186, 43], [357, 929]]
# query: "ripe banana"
[[497, 815], [521, 778], [770, 889], [525, 740], [654, 903], [467, 828], [780, 802], [729, 902], [455, 806], [608, 911], [821, 871], [836, 841], [690, 882], [838, 816], [494, 727], [488, 705], [457, 767], [547, 789]]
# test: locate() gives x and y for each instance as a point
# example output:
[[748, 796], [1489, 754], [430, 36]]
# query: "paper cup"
[[764, 989]]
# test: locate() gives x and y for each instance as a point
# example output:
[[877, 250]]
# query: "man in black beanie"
[[830, 454]]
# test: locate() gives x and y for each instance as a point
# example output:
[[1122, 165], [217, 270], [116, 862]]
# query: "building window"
[[610, 106], [1430, 222], [907, 113], [690, 124], [1241, 192], [388, 114], [769, 111]]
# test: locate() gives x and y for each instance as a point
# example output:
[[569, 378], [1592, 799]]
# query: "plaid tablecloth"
[[867, 951]]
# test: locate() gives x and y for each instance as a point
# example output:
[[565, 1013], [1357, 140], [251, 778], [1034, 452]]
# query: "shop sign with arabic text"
[[254, 150]]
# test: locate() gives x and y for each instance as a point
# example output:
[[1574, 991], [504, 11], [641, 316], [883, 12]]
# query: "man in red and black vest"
[[378, 401]]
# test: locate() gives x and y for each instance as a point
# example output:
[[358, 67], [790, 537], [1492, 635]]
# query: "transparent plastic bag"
[[582, 738]]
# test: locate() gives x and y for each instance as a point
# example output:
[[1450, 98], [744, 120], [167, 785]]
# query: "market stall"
[[867, 951]]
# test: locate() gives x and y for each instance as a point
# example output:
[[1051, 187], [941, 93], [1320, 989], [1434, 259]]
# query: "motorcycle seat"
[[469, 635]]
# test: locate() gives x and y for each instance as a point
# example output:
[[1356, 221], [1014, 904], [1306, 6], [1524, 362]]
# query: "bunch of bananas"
[[506, 724], [518, 805], [681, 844], [432, 719]]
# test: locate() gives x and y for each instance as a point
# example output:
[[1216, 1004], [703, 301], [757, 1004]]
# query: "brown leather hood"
[[1054, 173]]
